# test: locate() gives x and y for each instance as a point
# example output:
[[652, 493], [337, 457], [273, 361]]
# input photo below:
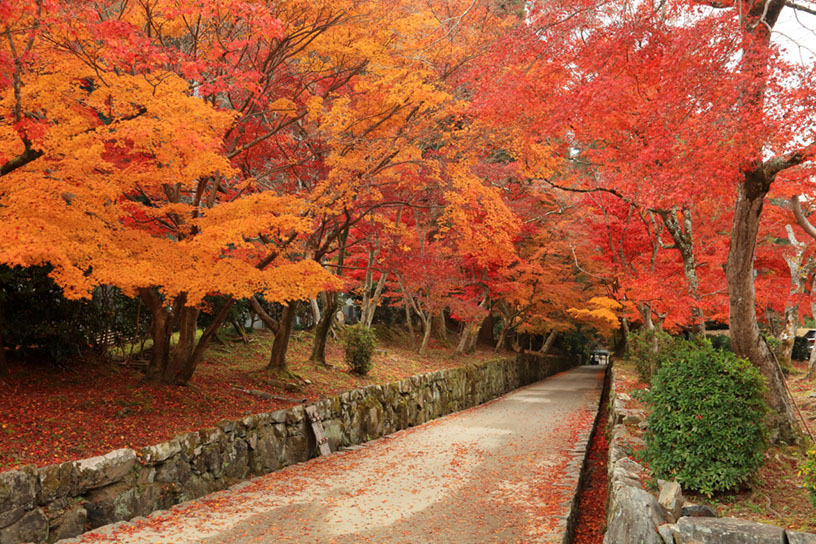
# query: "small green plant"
[[706, 427], [808, 473], [648, 350], [358, 344]]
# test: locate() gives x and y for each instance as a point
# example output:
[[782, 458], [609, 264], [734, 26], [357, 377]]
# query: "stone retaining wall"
[[64, 500], [636, 516]]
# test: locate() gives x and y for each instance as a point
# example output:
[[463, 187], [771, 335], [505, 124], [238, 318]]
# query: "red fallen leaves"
[[591, 520], [50, 416]]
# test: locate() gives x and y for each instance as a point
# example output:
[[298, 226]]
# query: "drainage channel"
[[590, 521]]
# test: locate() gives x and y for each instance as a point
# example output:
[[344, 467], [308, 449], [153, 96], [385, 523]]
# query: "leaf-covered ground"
[[590, 523], [775, 495], [88, 408]]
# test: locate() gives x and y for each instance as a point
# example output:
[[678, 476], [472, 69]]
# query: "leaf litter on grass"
[[92, 407]]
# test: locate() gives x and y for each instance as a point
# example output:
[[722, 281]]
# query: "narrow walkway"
[[505, 471]]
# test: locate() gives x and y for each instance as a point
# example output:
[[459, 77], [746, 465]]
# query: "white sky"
[[795, 32]]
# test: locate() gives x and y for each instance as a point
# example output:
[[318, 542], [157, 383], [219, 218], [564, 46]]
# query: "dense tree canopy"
[[545, 162]]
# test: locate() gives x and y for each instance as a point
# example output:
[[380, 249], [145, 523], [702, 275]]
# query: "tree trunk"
[[516, 344], [176, 365], [426, 325], [269, 322], [322, 330], [410, 324], [277, 360], [800, 270], [374, 301], [502, 338], [470, 333], [684, 242], [315, 310], [649, 324], [178, 369], [239, 329], [744, 329], [161, 328], [440, 327], [548, 343]]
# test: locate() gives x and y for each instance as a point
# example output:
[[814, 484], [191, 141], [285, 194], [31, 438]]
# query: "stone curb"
[[577, 465]]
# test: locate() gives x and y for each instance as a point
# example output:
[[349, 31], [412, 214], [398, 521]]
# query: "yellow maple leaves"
[[603, 313]]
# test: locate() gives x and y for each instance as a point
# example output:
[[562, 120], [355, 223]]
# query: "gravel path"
[[505, 471]]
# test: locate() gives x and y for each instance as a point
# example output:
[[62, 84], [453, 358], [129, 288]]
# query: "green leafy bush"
[[721, 342], [648, 350], [808, 474], [706, 428], [358, 344]]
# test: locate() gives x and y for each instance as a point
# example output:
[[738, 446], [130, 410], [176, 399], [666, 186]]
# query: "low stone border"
[[636, 516], [64, 500], [576, 467]]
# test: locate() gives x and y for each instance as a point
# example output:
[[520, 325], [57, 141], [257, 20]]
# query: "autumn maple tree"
[[675, 103]]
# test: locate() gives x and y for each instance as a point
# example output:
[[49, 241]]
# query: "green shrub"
[[640, 349], [808, 474], [706, 428], [721, 342], [358, 344]]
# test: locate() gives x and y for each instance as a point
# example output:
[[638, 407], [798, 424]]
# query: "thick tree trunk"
[[322, 332], [175, 365], [178, 370], [548, 343], [469, 336], [323, 328], [440, 327], [277, 360], [161, 328], [744, 329]]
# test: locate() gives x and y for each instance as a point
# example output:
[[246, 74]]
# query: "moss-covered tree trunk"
[[277, 359]]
